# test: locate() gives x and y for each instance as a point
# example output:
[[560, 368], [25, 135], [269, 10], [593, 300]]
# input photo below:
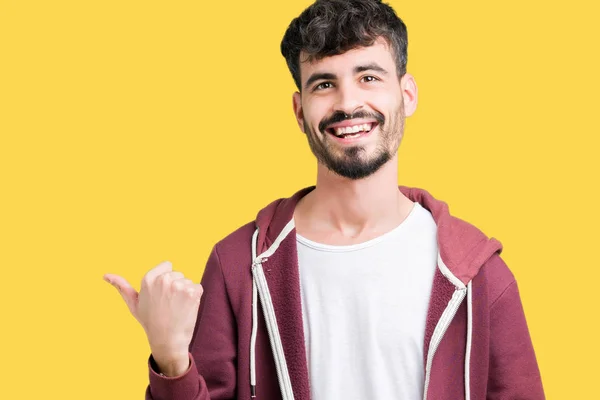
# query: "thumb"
[[129, 294]]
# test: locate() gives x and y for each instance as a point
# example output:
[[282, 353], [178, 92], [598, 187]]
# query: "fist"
[[167, 308]]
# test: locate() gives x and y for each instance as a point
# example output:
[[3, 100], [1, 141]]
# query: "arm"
[[514, 373], [212, 358]]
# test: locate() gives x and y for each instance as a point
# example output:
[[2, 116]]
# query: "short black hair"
[[331, 27]]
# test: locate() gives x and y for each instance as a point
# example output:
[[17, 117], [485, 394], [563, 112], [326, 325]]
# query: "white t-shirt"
[[364, 308]]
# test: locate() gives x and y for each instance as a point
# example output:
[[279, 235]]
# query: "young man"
[[355, 288]]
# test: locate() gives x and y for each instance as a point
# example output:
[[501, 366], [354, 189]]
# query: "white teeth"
[[352, 129]]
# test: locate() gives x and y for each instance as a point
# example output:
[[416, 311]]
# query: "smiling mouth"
[[353, 131]]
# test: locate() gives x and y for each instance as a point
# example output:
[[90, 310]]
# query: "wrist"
[[172, 366]]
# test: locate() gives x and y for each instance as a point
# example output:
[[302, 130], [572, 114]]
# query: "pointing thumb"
[[129, 294]]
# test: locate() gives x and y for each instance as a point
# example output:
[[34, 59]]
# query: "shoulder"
[[235, 247], [238, 240], [498, 277]]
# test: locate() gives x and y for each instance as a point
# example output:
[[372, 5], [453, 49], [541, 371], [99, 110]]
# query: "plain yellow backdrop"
[[134, 132]]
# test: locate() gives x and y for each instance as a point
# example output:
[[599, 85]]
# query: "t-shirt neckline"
[[358, 246]]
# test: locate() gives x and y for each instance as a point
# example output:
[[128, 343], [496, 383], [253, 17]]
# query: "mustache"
[[340, 116]]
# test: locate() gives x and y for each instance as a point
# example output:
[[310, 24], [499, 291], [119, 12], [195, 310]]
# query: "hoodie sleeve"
[[514, 372], [212, 371]]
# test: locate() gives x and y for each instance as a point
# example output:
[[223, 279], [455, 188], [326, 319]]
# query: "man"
[[355, 288]]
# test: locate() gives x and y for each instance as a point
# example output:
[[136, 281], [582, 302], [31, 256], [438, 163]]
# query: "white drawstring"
[[469, 339], [254, 323]]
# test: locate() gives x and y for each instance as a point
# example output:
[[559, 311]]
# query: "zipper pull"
[[258, 262]]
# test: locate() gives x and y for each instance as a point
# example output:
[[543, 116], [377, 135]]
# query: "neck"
[[354, 208]]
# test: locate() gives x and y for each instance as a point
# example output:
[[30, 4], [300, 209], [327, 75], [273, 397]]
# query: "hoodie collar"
[[463, 248]]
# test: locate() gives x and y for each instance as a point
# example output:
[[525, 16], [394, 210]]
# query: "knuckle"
[[178, 285], [146, 279], [163, 279], [190, 292]]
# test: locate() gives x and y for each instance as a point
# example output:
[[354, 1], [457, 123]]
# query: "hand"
[[167, 308]]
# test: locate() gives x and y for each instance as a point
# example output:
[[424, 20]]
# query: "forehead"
[[379, 52]]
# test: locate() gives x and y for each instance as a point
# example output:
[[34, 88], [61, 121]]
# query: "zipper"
[[440, 329], [283, 375], [260, 289]]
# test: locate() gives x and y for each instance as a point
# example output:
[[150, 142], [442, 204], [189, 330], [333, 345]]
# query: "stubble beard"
[[353, 162]]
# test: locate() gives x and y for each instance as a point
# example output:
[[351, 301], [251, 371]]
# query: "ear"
[[409, 94], [297, 104]]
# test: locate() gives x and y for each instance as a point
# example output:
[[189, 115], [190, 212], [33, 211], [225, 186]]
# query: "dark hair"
[[331, 27]]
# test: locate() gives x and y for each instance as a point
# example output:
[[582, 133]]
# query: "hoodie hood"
[[463, 248]]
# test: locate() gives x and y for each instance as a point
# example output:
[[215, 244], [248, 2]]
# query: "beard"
[[353, 162]]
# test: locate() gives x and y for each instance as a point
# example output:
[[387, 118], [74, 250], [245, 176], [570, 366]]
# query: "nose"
[[348, 99]]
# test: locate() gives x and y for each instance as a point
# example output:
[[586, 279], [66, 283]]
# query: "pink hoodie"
[[477, 344]]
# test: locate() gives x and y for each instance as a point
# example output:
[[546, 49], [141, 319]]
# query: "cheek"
[[391, 101], [314, 112], [385, 102]]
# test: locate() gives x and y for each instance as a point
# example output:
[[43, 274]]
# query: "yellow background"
[[134, 132]]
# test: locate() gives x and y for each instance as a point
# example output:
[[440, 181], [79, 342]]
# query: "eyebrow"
[[369, 67], [357, 70]]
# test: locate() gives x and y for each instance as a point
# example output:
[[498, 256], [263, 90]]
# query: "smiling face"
[[352, 108]]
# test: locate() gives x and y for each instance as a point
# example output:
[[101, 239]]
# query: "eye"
[[323, 85], [369, 78]]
